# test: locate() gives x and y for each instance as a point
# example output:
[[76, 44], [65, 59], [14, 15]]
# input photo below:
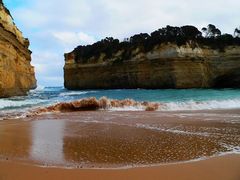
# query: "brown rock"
[[16, 73]]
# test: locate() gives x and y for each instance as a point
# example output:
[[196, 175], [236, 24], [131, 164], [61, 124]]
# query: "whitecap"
[[6, 103], [75, 93], [202, 105]]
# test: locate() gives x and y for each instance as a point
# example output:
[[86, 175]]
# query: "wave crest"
[[202, 105], [92, 104]]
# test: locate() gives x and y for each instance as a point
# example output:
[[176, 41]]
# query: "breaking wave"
[[202, 105], [92, 104], [103, 103]]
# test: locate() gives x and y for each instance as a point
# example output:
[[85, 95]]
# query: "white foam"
[[127, 108], [231, 148], [6, 103], [75, 93], [39, 88], [171, 130], [204, 105], [188, 105]]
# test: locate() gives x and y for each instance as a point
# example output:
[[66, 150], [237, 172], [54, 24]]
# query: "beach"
[[119, 90], [220, 168], [122, 145]]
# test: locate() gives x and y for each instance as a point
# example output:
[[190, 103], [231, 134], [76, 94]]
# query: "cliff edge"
[[156, 62], [17, 75]]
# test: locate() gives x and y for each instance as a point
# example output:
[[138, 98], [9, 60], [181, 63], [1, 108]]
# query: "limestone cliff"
[[16, 72], [167, 66]]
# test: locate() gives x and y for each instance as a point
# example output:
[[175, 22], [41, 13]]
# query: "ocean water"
[[172, 100], [178, 132]]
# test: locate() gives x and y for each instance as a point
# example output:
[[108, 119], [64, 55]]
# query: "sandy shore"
[[86, 141], [219, 168]]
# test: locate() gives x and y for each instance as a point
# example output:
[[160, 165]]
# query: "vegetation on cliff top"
[[210, 36]]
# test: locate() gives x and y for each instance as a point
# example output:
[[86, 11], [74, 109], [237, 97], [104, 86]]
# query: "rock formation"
[[167, 66], [163, 65], [17, 75]]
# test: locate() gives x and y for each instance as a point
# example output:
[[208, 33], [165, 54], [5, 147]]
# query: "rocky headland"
[[171, 57], [17, 75]]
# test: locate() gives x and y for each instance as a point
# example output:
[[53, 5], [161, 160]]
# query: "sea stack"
[[171, 57], [17, 75]]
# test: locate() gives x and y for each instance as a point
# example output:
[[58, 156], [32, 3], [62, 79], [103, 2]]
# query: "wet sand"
[[129, 140], [220, 168]]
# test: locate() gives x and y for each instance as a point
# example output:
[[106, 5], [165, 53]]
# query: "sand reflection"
[[47, 141]]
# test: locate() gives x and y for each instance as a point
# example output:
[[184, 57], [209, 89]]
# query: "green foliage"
[[211, 31], [145, 42], [237, 32]]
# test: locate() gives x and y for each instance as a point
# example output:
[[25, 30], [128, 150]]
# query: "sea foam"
[[201, 105], [6, 103]]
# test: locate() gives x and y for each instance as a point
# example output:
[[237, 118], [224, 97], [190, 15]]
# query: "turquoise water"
[[193, 99]]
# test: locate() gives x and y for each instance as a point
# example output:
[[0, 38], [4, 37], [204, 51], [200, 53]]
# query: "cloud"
[[31, 19], [57, 26], [48, 66], [74, 39], [121, 18]]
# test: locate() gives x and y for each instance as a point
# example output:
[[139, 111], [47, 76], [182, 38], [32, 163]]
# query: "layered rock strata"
[[17, 75], [166, 66]]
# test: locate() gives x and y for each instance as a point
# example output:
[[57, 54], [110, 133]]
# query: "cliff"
[[167, 66], [17, 75], [156, 62]]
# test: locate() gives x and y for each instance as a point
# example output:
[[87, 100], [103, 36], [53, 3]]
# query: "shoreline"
[[118, 167], [117, 140], [220, 168], [30, 114], [122, 145]]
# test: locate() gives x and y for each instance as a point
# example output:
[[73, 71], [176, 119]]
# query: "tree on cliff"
[[144, 42], [237, 32], [190, 32], [224, 40], [169, 32], [211, 31], [139, 38]]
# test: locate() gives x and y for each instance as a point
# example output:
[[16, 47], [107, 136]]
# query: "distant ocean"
[[173, 100]]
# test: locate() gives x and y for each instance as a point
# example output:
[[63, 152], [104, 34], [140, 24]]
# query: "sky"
[[55, 27]]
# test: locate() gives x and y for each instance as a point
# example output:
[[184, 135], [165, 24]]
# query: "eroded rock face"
[[166, 66], [17, 75]]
